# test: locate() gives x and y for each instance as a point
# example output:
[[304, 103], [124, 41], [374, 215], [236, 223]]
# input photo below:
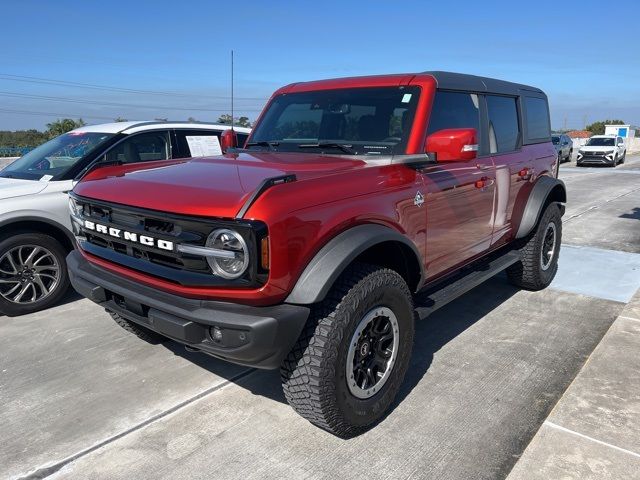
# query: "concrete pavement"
[[83, 399], [594, 430]]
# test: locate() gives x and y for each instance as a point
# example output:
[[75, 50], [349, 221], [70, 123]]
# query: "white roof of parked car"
[[133, 127], [604, 136]]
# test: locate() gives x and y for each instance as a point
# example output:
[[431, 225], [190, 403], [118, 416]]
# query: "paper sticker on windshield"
[[204, 146], [46, 178], [406, 98]]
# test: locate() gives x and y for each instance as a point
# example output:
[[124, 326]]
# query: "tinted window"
[[555, 140], [142, 147], [454, 110], [537, 118], [503, 124]]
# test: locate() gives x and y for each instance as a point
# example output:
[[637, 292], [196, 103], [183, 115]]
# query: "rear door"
[[460, 194], [512, 164]]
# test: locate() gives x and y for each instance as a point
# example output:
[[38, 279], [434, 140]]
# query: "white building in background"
[[624, 131]]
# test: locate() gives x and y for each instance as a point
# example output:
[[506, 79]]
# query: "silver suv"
[[564, 147], [35, 230]]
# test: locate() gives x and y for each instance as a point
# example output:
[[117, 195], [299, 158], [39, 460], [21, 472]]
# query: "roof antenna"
[[232, 122]]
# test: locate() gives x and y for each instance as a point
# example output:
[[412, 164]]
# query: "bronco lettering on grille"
[[129, 236]]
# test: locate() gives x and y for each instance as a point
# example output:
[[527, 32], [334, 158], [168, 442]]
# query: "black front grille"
[[186, 269]]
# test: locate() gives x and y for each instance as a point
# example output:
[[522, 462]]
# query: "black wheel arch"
[[28, 224], [370, 243], [546, 189]]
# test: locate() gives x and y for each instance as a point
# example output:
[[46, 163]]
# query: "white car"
[[35, 230], [602, 150]]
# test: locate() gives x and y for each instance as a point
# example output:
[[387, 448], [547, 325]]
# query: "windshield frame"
[[72, 169], [345, 146]]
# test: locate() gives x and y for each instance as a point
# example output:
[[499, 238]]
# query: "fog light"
[[216, 334]]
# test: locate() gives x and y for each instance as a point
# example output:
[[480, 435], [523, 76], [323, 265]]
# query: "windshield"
[[555, 140], [601, 142], [52, 159], [359, 121]]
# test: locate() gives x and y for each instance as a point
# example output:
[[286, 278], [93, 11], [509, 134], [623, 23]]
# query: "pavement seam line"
[[46, 471], [581, 435], [630, 318], [595, 207]]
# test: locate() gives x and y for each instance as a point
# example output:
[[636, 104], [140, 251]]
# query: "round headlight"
[[231, 266]]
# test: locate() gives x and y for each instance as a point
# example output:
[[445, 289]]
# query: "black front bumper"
[[254, 336]]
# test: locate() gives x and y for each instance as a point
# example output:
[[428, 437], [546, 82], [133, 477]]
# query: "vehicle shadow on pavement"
[[432, 333], [439, 328], [634, 215]]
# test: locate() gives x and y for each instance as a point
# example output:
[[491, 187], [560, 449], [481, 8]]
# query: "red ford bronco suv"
[[305, 249]]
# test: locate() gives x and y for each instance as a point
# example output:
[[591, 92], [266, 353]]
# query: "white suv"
[[602, 150], [35, 230]]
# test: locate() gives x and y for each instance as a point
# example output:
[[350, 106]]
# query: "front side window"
[[504, 131], [359, 121], [601, 142], [143, 147], [53, 159], [537, 118], [454, 110]]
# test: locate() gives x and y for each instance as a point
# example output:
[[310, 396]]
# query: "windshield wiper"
[[341, 146], [263, 143]]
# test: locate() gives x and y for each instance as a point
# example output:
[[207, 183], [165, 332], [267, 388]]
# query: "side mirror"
[[228, 139], [453, 144]]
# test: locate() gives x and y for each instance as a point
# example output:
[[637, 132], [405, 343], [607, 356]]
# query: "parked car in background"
[[602, 150], [35, 234], [564, 147]]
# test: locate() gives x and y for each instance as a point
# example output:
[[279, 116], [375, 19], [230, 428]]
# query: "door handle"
[[484, 182]]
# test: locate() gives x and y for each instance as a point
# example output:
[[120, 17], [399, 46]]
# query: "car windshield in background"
[[601, 142], [52, 159], [555, 140], [359, 121]]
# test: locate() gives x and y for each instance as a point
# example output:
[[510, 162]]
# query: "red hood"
[[215, 187]]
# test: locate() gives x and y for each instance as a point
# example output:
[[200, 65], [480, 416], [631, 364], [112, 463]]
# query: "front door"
[[459, 194]]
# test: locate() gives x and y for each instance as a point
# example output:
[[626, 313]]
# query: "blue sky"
[[582, 53]]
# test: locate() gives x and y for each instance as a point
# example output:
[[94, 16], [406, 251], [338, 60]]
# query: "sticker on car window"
[[406, 98], [204, 146]]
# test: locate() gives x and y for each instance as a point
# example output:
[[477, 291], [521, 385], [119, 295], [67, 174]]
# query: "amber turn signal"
[[264, 253]]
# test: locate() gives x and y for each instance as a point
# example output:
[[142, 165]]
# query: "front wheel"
[[539, 255], [348, 364], [33, 273]]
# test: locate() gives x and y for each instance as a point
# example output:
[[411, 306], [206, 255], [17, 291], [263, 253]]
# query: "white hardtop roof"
[[604, 136], [133, 127]]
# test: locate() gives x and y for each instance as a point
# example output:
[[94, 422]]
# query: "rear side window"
[[454, 110], [504, 131], [537, 118], [198, 143]]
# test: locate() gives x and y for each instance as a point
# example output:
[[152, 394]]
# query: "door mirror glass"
[[453, 144]]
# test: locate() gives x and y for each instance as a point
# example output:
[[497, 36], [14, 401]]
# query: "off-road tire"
[[314, 376], [53, 246], [528, 272], [138, 330]]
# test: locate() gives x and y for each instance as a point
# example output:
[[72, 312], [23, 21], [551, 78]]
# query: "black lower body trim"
[[254, 336]]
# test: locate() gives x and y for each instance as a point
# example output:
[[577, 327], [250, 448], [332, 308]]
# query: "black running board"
[[438, 296]]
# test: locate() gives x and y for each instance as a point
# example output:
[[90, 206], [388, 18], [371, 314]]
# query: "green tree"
[[63, 126], [120, 119], [225, 119], [597, 128]]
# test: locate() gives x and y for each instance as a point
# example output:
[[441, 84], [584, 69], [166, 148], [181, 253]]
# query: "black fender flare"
[[339, 252], [544, 188]]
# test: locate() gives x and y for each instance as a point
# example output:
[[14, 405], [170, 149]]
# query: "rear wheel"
[[349, 362], [539, 255], [33, 273]]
